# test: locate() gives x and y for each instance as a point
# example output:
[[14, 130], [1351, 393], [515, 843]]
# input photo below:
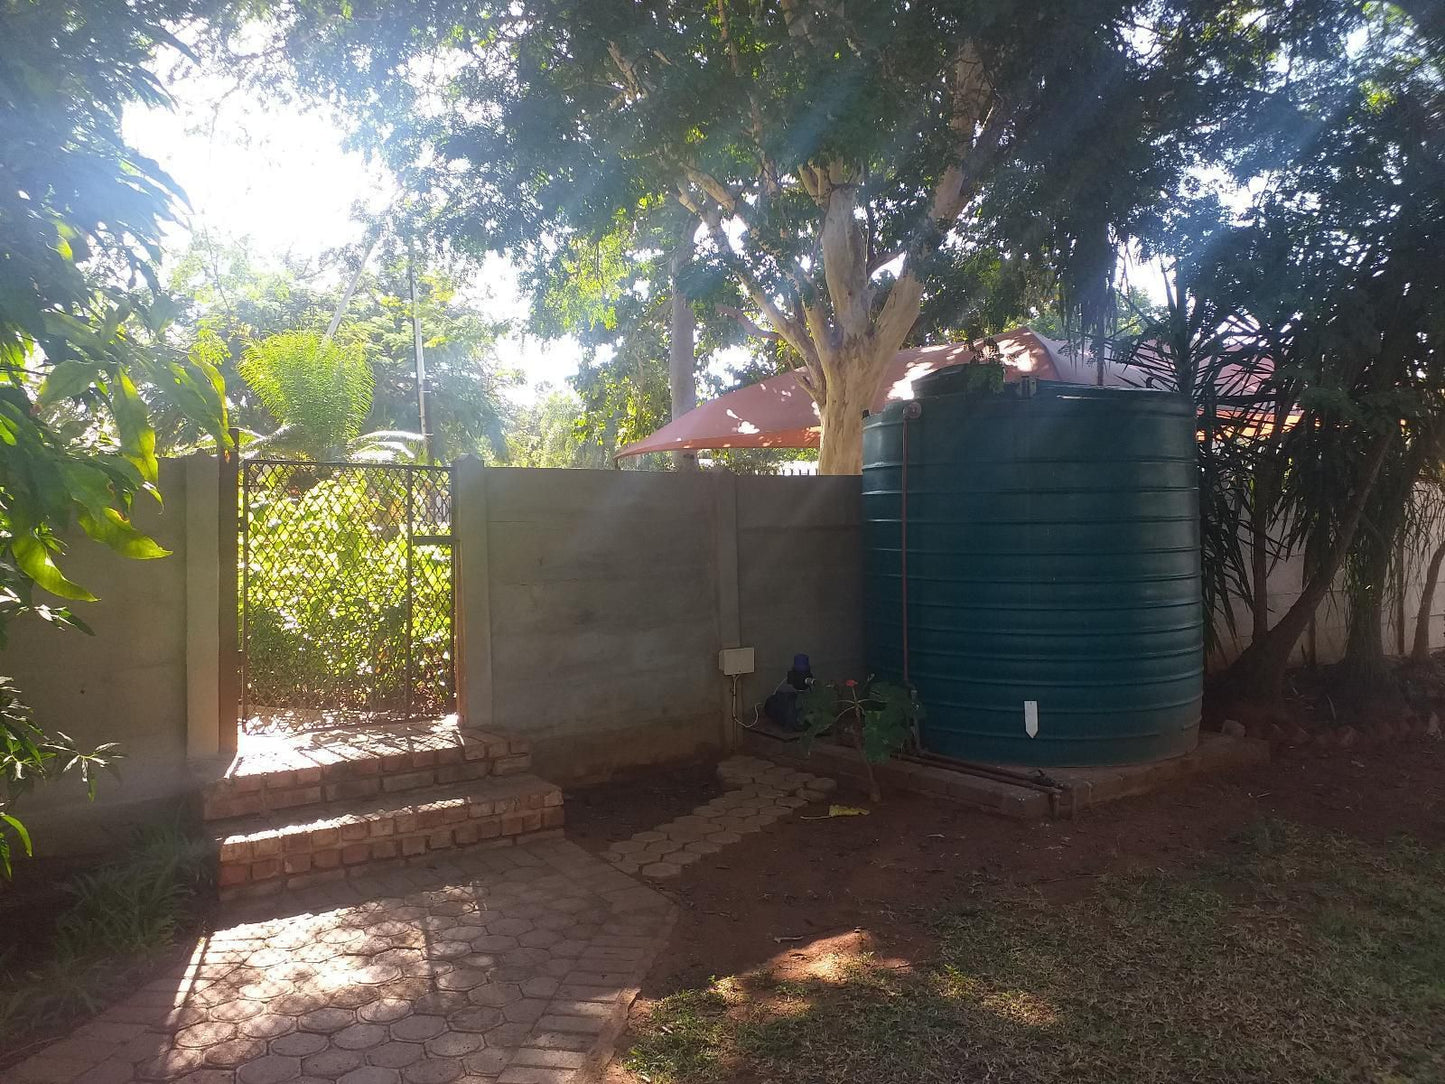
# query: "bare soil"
[[787, 899]]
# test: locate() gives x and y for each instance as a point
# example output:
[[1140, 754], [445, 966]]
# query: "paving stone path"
[[760, 794], [508, 966]]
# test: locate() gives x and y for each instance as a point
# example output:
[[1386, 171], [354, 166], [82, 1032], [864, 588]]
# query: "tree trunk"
[[841, 451], [1420, 651], [682, 349], [1363, 669], [1265, 492], [852, 379], [1259, 569], [1259, 671]]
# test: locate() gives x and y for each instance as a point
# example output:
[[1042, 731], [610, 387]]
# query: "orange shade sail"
[[778, 413]]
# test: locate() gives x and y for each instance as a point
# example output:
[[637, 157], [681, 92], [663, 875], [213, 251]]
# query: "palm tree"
[[318, 391]]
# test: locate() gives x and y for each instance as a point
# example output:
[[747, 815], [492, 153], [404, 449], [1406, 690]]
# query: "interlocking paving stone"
[[358, 982], [760, 793]]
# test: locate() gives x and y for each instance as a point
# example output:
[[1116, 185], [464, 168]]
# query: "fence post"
[[205, 608], [472, 587], [228, 714], [729, 609]]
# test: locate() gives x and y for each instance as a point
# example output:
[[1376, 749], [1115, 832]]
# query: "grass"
[[119, 915], [1299, 956]]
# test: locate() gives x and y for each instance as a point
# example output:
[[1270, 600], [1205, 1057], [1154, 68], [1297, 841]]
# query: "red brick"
[[355, 830], [511, 765], [325, 837], [467, 833], [413, 845], [353, 853], [265, 869], [265, 847], [326, 859], [439, 839], [296, 843], [234, 875], [460, 773], [287, 799], [513, 823], [296, 863], [247, 784], [424, 758], [408, 781], [532, 820], [306, 777], [489, 827], [553, 817], [352, 788], [449, 756], [236, 850], [383, 849], [382, 826], [552, 797]]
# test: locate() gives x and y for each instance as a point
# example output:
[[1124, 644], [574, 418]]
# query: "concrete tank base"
[[1084, 788]]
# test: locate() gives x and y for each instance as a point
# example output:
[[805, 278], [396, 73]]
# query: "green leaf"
[[20, 831], [34, 560], [66, 381], [137, 438], [116, 531]]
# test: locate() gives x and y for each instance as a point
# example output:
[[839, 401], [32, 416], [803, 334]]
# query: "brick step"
[[295, 849], [356, 766]]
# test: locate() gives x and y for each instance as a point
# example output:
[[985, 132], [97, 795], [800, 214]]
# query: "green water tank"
[[1053, 609]]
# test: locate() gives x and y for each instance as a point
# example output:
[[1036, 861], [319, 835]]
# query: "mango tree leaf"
[[34, 560], [66, 381], [137, 438], [116, 531]]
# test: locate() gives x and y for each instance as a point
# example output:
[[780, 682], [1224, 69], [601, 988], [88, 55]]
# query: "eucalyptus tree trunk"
[[682, 347], [1420, 650]]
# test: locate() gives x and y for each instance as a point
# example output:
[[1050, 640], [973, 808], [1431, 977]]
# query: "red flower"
[[851, 683]]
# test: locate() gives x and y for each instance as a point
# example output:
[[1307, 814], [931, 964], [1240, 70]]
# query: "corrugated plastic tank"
[[1053, 605]]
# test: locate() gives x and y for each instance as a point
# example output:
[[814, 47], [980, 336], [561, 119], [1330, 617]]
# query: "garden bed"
[[860, 903]]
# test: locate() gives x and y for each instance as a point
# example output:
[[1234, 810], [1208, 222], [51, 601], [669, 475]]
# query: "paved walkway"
[[508, 966], [759, 794]]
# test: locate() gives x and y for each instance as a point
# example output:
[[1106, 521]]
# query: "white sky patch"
[[278, 177]]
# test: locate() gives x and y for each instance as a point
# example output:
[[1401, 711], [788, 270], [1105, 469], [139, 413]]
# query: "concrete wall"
[[1324, 644], [593, 604], [127, 683]]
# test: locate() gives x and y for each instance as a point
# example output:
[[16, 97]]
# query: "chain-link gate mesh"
[[346, 589]]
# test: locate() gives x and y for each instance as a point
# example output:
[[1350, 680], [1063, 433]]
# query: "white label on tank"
[[1031, 718]]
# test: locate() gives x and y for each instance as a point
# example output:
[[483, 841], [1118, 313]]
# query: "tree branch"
[[748, 323]]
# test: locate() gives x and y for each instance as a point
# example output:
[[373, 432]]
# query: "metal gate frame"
[[427, 503]]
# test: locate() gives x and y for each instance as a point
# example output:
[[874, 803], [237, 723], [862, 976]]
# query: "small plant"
[[880, 717], [28, 754], [119, 915]]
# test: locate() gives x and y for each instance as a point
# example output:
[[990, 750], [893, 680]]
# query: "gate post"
[[472, 592], [228, 716], [210, 605]]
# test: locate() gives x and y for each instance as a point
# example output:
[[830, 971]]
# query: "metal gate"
[[346, 592]]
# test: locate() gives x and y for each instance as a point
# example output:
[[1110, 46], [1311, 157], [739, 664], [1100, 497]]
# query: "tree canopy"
[[82, 340], [845, 161]]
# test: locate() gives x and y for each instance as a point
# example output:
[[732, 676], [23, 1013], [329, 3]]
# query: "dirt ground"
[[790, 896]]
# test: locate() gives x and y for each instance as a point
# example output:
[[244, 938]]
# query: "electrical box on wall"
[[733, 661]]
